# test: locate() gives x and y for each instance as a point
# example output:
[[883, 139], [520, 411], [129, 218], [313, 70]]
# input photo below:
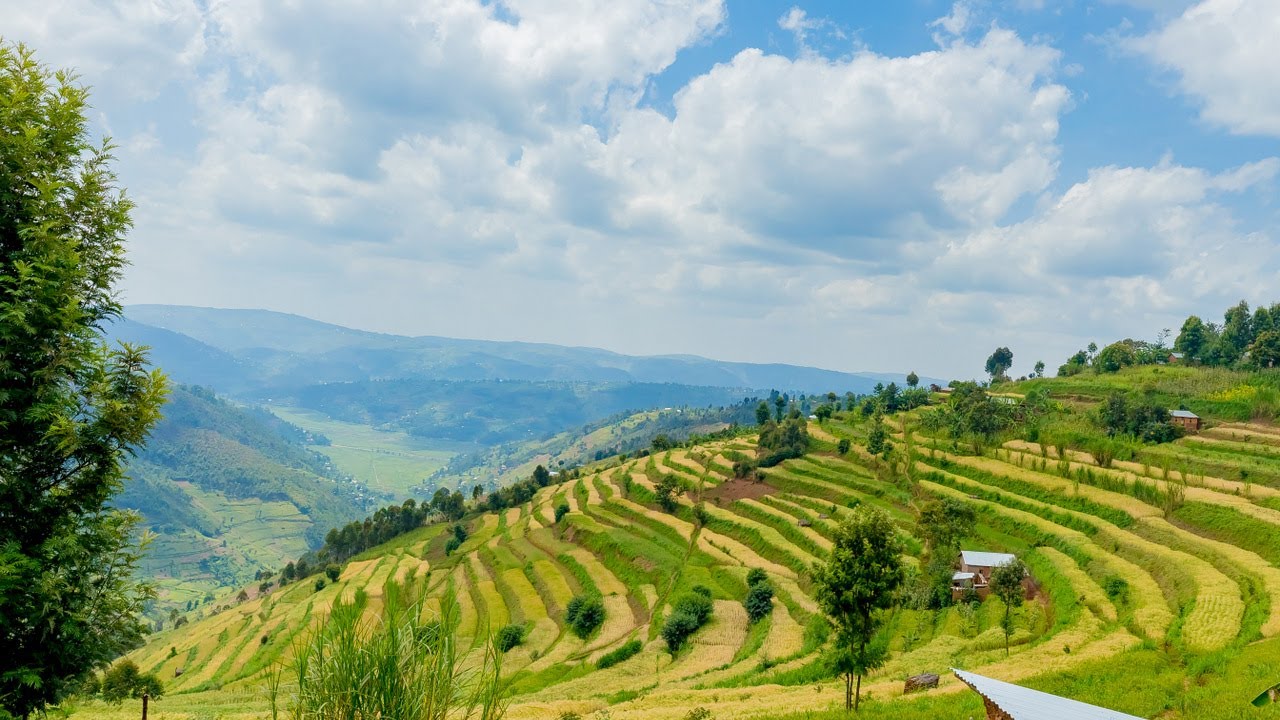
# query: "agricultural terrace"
[[1156, 573]]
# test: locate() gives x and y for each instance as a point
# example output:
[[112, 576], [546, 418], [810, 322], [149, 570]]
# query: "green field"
[[1192, 632], [390, 462]]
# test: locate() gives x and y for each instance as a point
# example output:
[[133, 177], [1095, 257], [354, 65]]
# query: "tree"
[[762, 413], [857, 583], [1006, 584], [913, 379], [823, 412], [1265, 350], [943, 524], [759, 601], [333, 571], [668, 492], [1237, 331], [1039, 368], [999, 362], [1115, 356], [661, 442], [561, 510], [877, 436], [124, 681], [1192, 340], [843, 446], [541, 477], [71, 407]]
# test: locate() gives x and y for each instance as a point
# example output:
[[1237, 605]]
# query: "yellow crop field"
[[1090, 593]]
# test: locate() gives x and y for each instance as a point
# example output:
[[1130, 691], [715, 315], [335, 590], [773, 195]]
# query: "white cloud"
[[1224, 54]]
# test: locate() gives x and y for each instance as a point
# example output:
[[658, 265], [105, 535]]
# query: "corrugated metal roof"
[[962, 576], [1026, 704], [985, 559], [1183, 414]]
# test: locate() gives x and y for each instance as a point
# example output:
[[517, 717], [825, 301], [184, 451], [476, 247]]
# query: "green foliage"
[[782, 441], [1006, 584], [402, 665], [756, 575], [584, 615], [510, 637], [759, 601], [857, 583], [319, 584], [843, 446], [71, 408], [625, 652], [451, 545], [561, 510], [333, 571], [123, 681], [1115, 356], [690, 611], [999, 362], [1140, 417]]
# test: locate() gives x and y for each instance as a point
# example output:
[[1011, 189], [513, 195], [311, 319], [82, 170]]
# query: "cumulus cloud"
[[1223, 53], [493, 169]]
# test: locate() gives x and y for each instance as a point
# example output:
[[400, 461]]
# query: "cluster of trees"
[[584, 615], [1242, 339], [889, 399], [782, 440], [759, 599], [123, 681], [1117, 355], [1141, 418], [383, 525], [943, 524], [690, 611], [518, 493]]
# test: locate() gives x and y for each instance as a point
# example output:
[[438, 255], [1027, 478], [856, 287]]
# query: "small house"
[[1006, 701], [1175, 357], [974, 574], [1185, 418]]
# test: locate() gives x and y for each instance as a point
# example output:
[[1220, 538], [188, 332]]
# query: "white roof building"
[[1183, 414], [975, 558], [1019, 703]]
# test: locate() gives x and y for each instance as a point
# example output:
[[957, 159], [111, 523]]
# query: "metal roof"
[[985, 559], [1183, 414], [1022, 703], [962, 576]]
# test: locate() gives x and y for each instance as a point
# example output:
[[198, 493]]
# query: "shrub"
[[759, 601], [510, 637], [843, 446], [584, 615], [452, 544], [123, 681], [319, 584], [626, 652], [333, 572], [677, 629], [699, 713], [561, 510], [756, 575]]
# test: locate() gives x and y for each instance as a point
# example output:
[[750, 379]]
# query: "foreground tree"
[[999, 363], [70, 407], [1006, 584], [857, 583]]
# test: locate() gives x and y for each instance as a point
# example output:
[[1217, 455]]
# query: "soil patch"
[[738, 489]]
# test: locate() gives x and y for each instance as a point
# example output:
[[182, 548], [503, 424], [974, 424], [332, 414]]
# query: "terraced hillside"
[[1157, 584]]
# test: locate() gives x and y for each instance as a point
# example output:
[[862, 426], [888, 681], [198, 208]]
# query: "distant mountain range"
[[249, 352]]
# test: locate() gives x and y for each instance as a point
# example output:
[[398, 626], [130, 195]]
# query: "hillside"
[[1157, 570], [229, 491], [278, 349]]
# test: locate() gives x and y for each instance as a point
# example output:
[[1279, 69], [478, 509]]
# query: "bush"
[[584, 615], [333, 572], [626, 652], [319, 584], [756, 575], [759, 601], [561, 510], [452, 544], [843, 446], [699, 713], [123, 681], [510, 637], [691, 611]]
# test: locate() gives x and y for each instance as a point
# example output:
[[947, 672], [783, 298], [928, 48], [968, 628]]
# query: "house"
[[975, 572], [1175, 357], [1006, 701], [1187, 419]]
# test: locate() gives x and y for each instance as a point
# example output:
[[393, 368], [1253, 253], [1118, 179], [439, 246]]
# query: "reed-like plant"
[[396, 663]]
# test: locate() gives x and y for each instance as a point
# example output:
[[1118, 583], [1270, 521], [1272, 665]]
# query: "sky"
[[853, 185]]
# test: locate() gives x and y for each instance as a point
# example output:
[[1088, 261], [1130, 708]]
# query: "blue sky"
[[855, 185]]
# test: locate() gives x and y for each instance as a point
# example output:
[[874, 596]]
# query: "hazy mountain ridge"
[[277, 348]]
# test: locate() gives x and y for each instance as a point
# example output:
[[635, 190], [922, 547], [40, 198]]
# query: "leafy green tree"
[[510, 637], [859, 581], [668, 492], [1006, 584], [541, 476], [1193, 338], [1265, 350], [759, 601], [779, 406], [762, 413], [843, 446], [71, 408], [823, 412], [584, 615], [1039, 369], [1115, 356], [561, 510], [661, 442], [333, 571], [877, 436], [999, 363], [124, 681], [943, 524], [1237, 331], [913, 379]]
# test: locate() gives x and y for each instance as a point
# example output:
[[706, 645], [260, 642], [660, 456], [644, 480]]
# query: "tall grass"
[[395, 664]]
